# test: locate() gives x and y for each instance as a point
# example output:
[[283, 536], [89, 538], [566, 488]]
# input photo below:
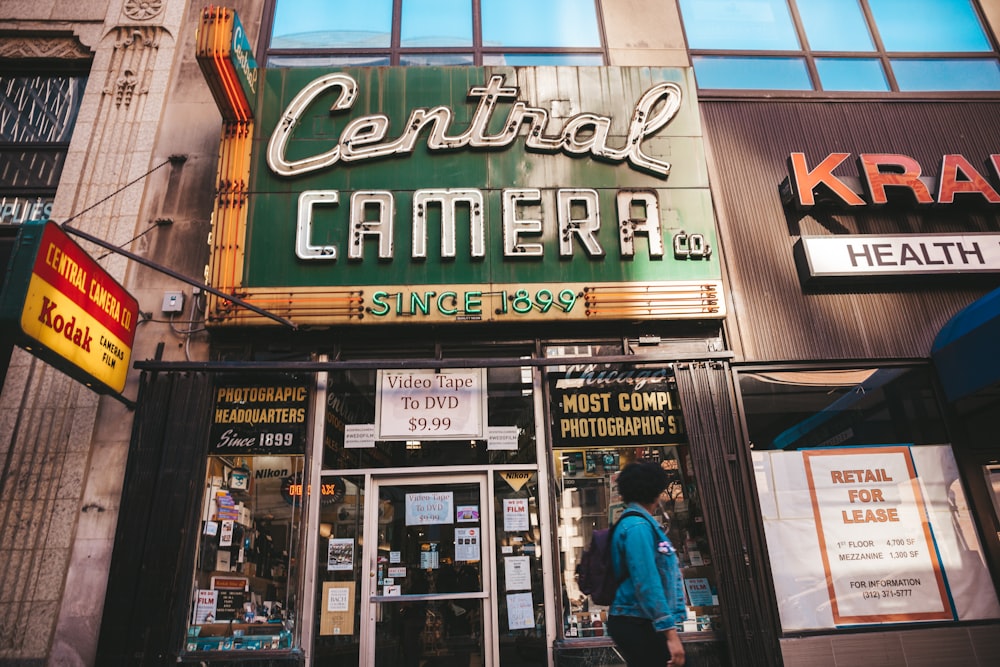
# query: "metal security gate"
[[154, 546], [724, 473]]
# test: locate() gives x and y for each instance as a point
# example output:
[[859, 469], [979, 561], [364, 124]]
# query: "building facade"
[[415, 282]]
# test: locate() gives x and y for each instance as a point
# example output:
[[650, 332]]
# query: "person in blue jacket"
[[649, 603]]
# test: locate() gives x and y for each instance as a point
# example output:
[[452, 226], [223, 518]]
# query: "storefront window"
[[337, 621], [421, 580], [993, 484], [243, 595], [244, 592], [854, 477], [519, 568], [604, 417]]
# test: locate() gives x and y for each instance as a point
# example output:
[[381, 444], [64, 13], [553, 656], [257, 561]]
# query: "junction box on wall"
[[173, 302]]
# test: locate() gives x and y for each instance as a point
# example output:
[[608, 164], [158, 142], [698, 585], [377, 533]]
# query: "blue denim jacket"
[[654, 587]]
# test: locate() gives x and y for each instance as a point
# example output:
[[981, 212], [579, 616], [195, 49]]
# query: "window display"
[[244, 589], [602, 420], [873, 506], [589, 500], [243, 597]]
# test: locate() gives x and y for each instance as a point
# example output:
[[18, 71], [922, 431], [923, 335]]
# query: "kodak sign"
[[67, 309]]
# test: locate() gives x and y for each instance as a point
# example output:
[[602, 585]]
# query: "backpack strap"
[[628, 512]]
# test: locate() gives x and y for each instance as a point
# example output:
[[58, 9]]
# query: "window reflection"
[[791, 410], [435, 59], [540, 23], [436, 23], [751, 73], [328, 61], [722, 32], [739, 25], [851, 74], [351, 404], [304, 24], [929, 25], [835, 25], [928, 74], [405, 32], [550, 59]]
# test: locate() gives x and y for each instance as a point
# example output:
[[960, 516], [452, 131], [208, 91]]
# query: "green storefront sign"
[[480, 194]]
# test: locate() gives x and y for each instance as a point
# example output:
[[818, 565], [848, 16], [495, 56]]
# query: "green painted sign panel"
[[244, 63], [553, 178]]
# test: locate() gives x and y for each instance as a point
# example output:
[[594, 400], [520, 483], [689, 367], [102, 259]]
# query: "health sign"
[[69, 311]]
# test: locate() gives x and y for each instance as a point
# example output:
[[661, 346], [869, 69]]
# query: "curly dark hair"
[[642, 482]]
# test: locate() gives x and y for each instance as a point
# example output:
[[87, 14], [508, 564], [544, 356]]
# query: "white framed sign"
[[447, 404], [873, 541], [900, 254], [874, 536], [430, 509]]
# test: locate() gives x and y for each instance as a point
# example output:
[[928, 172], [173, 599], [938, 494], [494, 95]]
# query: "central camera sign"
[[432, 195]]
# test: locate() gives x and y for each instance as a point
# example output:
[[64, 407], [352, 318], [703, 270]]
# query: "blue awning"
[[966, 351]]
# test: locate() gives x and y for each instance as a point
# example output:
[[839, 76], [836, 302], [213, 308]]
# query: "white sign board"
[[900, 254], [515, 515], [850, 547], [429, 509], [359, 436], [875, 537], [447, 404]]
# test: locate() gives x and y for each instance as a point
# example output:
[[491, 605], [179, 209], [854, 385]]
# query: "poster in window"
[[517, 573], [205, 602], [340, 554], [875, 540], [429, 509], [468, 513], [853, 531], [515, 514], [467, 544], [520, 611], [230, 605], [337, 612]]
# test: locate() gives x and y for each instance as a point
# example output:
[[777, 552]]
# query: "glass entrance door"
[[428, 572]]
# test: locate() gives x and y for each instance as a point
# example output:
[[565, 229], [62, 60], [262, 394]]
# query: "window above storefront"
[[434, 33], [865, 46], [40, 110]]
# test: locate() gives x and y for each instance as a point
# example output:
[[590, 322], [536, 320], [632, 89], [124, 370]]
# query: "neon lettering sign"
[[365, 138], [879, 172]]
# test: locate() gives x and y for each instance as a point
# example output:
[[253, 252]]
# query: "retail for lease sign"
[[875, 539], [470, 194], [67, 310]]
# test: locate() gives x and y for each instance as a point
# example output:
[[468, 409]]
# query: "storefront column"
[[724, 477]]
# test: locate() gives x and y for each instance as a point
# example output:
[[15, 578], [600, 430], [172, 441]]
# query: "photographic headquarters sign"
[[439, 195], [265, 417], [67, 310]]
